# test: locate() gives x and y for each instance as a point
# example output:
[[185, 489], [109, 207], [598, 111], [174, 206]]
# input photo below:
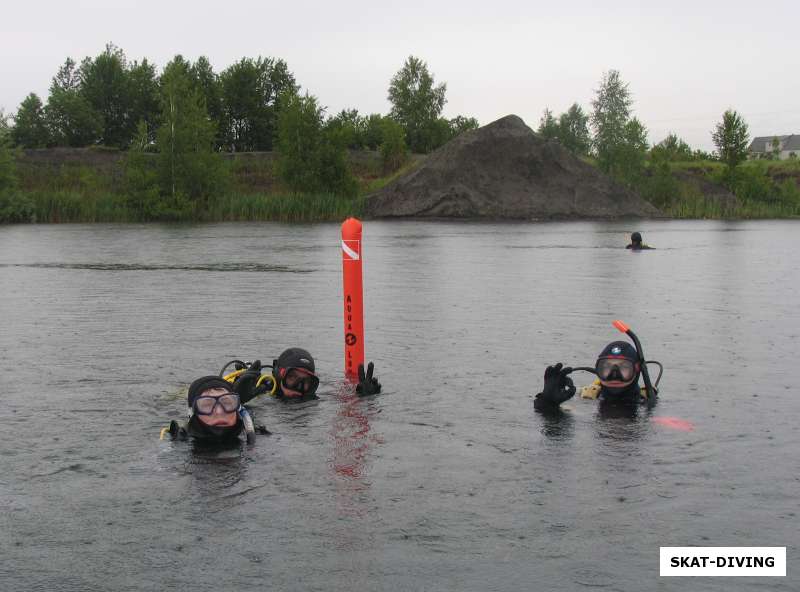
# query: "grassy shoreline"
[[759, 189], [86, 186]]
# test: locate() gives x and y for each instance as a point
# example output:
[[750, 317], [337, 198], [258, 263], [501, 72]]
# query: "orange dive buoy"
[[352, 255]]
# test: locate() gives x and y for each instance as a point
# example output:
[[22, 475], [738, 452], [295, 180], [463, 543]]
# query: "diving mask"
[[615, 369], [205, 404], [300, 380]]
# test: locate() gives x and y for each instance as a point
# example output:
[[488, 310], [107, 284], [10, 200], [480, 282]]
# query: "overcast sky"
[[685, 62]]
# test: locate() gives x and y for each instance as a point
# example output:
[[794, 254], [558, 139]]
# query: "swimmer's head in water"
[[617, 366], [636, 238], [295, 373], [213, 407]]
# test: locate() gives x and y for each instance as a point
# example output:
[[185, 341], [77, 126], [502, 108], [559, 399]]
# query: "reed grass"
[[283, 208], [77, 193], [77, 206], [697, 207]]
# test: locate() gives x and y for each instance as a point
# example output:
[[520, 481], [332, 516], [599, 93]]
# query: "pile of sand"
[[505, 170]]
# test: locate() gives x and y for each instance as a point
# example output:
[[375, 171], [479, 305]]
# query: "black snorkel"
[[623, 328]]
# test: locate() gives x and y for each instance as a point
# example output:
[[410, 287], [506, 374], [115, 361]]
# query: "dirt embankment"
[[505, 170], [253, 172], [713, 192]]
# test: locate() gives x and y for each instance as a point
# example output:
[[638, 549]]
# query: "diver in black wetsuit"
[[216, 414], [618, 368], [636, 243], [293, 378]]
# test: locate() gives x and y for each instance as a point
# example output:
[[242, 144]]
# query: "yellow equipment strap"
[[233, 375], [271, 379]]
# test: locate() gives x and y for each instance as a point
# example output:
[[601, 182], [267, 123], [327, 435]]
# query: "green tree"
[[620, 142], [67, 78], [631, 153], [69, 116], [548, 126], [30, 130], [672, 149], [417, 104], [190, 172], [335, 175], [776, 148], [699, 154], [438, 132], [104, 83], [393, 146], [731, 138], [351, 126], [460, 124], [5, 126], [8, 168], [611, 113], [573, 130], [207, 81], [661, 187], [14, 207], [144, 102], [309, 160], [250, 91], [373, 131], [143, 195], [71, 120], [299, 138]]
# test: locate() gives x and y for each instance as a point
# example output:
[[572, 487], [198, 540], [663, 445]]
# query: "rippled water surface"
[[448, 480]]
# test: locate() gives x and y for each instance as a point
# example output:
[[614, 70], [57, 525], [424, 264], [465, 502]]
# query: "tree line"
[[175, 123], [616, 141], [102, 101], [610, 133], [109, 101]]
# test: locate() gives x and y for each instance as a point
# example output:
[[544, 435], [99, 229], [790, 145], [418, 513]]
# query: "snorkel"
[[623, 328], [651, 390]]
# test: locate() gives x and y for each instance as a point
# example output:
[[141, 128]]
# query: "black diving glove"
[[245, 385], [367, 385], [558, 387]]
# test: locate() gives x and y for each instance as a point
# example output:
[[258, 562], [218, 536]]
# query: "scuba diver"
[[216, 415], [292, 379], [637, 244], [216, 403], [618, 368]]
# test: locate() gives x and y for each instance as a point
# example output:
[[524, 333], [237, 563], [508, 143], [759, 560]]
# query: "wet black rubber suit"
[[637, 244]]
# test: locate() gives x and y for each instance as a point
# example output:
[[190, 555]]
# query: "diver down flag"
[[353, 296], [351, 249]]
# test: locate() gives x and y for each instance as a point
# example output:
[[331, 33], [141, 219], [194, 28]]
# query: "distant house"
[[788, 147]]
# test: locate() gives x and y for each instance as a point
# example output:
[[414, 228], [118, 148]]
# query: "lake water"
[[448, 480]]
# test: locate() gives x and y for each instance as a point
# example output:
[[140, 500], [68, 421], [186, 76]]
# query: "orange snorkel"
[[650, 389]]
